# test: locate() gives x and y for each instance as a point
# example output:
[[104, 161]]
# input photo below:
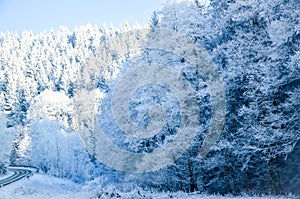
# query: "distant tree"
[[154, 21]]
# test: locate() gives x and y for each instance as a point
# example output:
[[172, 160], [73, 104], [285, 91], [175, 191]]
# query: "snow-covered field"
[[42, 186]]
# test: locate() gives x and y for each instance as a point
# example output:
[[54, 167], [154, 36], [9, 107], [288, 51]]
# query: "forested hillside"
[[255, 46]]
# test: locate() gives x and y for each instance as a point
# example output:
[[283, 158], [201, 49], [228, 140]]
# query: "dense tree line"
[[255, 44]]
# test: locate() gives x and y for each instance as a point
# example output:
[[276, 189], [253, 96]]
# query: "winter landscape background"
[[255, 46]]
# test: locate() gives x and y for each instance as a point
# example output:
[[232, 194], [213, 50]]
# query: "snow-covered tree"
[[253, 43]]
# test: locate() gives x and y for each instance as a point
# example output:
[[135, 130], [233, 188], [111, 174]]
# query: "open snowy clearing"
[[43, 186]]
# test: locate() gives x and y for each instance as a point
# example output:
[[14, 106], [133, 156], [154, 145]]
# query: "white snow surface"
[[43, 186]]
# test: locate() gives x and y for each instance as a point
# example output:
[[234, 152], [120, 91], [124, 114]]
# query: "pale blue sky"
[[39, 15]]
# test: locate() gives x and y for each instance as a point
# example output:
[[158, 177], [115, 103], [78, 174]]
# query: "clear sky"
[[39, 15]]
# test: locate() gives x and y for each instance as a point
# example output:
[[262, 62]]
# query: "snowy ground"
[[43, 186]]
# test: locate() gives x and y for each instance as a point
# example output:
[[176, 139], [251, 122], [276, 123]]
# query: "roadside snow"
[[42, 186]]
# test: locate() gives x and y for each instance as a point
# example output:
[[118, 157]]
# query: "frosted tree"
[[253, 44], [7, 136], [59, 153]]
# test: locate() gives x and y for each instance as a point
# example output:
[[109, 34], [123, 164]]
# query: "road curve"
[[19, 172]]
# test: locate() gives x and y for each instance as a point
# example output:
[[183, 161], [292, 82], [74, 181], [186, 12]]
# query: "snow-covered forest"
[[254, 44]]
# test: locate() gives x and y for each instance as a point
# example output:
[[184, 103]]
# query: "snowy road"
[[18, 172]]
